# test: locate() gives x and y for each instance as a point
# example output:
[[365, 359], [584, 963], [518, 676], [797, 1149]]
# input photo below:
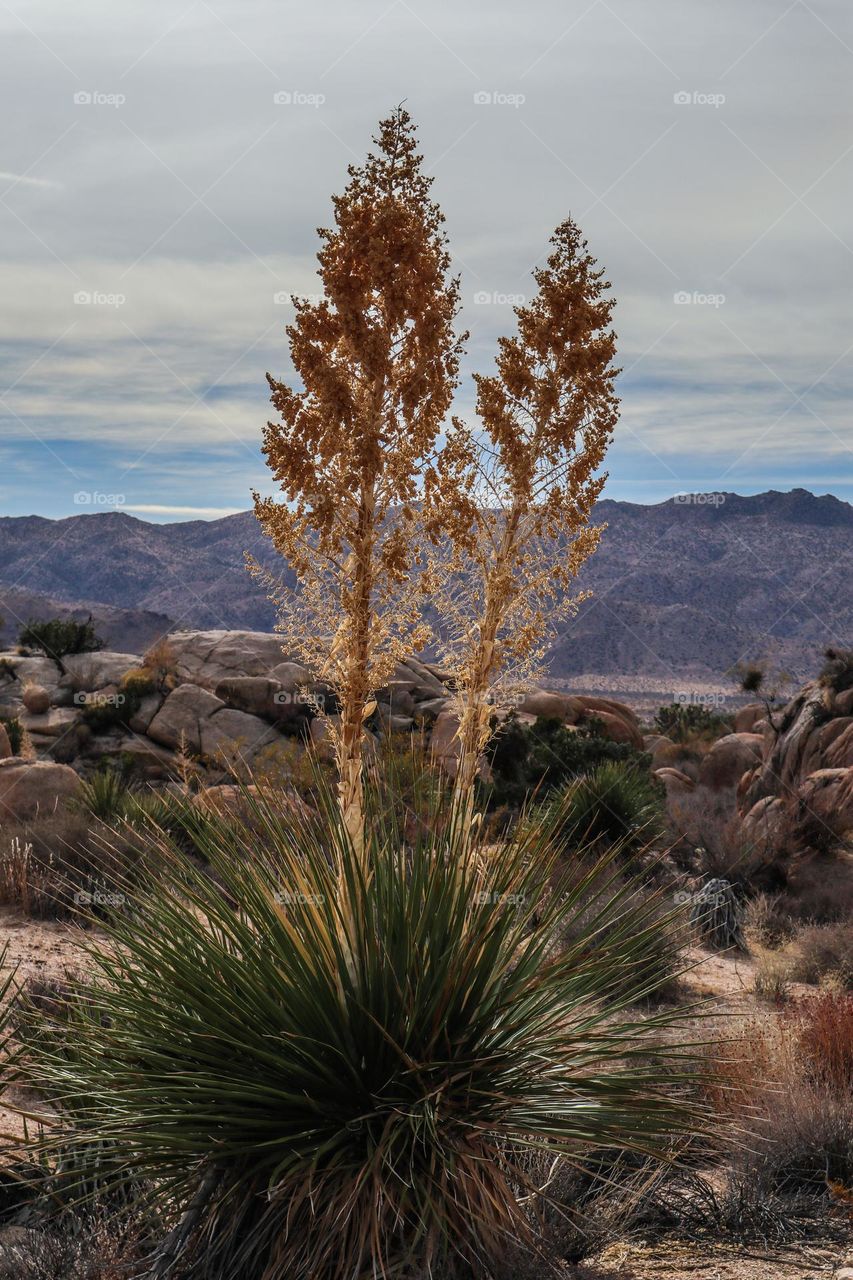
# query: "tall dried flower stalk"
[[547, 416], [354, 452]]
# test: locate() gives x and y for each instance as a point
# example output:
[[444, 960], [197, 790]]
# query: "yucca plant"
[[327, 1072], [105, 796], [614, 804]]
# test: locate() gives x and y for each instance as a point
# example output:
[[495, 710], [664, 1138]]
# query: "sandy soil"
[[675, 1262]]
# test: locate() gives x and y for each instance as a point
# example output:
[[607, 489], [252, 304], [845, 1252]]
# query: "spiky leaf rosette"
[[352, 1069]]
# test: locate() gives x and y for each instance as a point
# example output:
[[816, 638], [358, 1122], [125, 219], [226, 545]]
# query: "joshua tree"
[[354, 450], [547, 416]]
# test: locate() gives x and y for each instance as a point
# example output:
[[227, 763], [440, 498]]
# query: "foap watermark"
[[495, 98], [99, 898], [483, 298], [99, 699], [96, 98], [694, 298], [696, 698], [296, 98], [490, 897], [284, 299], [93, 298], [94, 498], [696, 98], [699, 499], [700, 898], [287, 898], [299, 698]]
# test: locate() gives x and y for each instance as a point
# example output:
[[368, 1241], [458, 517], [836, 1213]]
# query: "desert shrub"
[[686, 722], [60, 636], [820, 891], [822, 1030], [677, 755], [783, 1085], [103, 713], [772, 979], [711, 824], [768, 922], [543, 756], [837, 670], [358, 1092], [289, 764], [15, 730], [821, 952], [614, 804], [57, 866], [105, 796], [8, 670], [161, 664]]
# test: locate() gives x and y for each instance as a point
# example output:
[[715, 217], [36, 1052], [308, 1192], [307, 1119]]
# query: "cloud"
[[160, 177], [201, 513], [22, 178]]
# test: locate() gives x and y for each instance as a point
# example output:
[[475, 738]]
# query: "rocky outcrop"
[[792, 782], [227, 697], [30, 787]]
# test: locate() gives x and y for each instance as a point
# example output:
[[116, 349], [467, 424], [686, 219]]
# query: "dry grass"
[[49, 866]]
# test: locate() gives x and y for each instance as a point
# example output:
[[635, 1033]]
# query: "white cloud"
[[196, 200]]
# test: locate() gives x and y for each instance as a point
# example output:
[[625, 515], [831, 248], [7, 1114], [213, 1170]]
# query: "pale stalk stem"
[[473, 730]]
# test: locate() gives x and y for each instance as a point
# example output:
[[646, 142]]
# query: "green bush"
[[14, 729], [58, 637], [683, 721], [341, 1074], [543, 756], [616, 804], [837, 670]]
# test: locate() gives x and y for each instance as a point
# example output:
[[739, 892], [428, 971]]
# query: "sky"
[[164, 167]]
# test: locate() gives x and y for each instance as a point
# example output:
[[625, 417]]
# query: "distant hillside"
[[682, 589]]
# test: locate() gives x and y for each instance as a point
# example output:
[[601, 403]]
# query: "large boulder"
[[765, 828], [842, 703], [444, 742], [53, 724], [205, 658], [748, 717], [825, 805], [675, 781], [36, 699], [838, 750], [445, 746], [729, 759], [418, 680], [619, 729], [141, 718], [291, 676], [550, 705], [88, 672], [30, 787], [257, 695], [232, 737], [5, 744], [182, 715]]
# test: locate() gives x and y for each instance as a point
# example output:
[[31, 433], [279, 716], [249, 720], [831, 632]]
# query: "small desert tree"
[[547, 416], [354, 451]]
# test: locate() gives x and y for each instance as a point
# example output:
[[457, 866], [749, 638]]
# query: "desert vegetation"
[[384, 965]]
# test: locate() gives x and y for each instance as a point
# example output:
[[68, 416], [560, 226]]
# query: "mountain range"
[[682, 589]]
